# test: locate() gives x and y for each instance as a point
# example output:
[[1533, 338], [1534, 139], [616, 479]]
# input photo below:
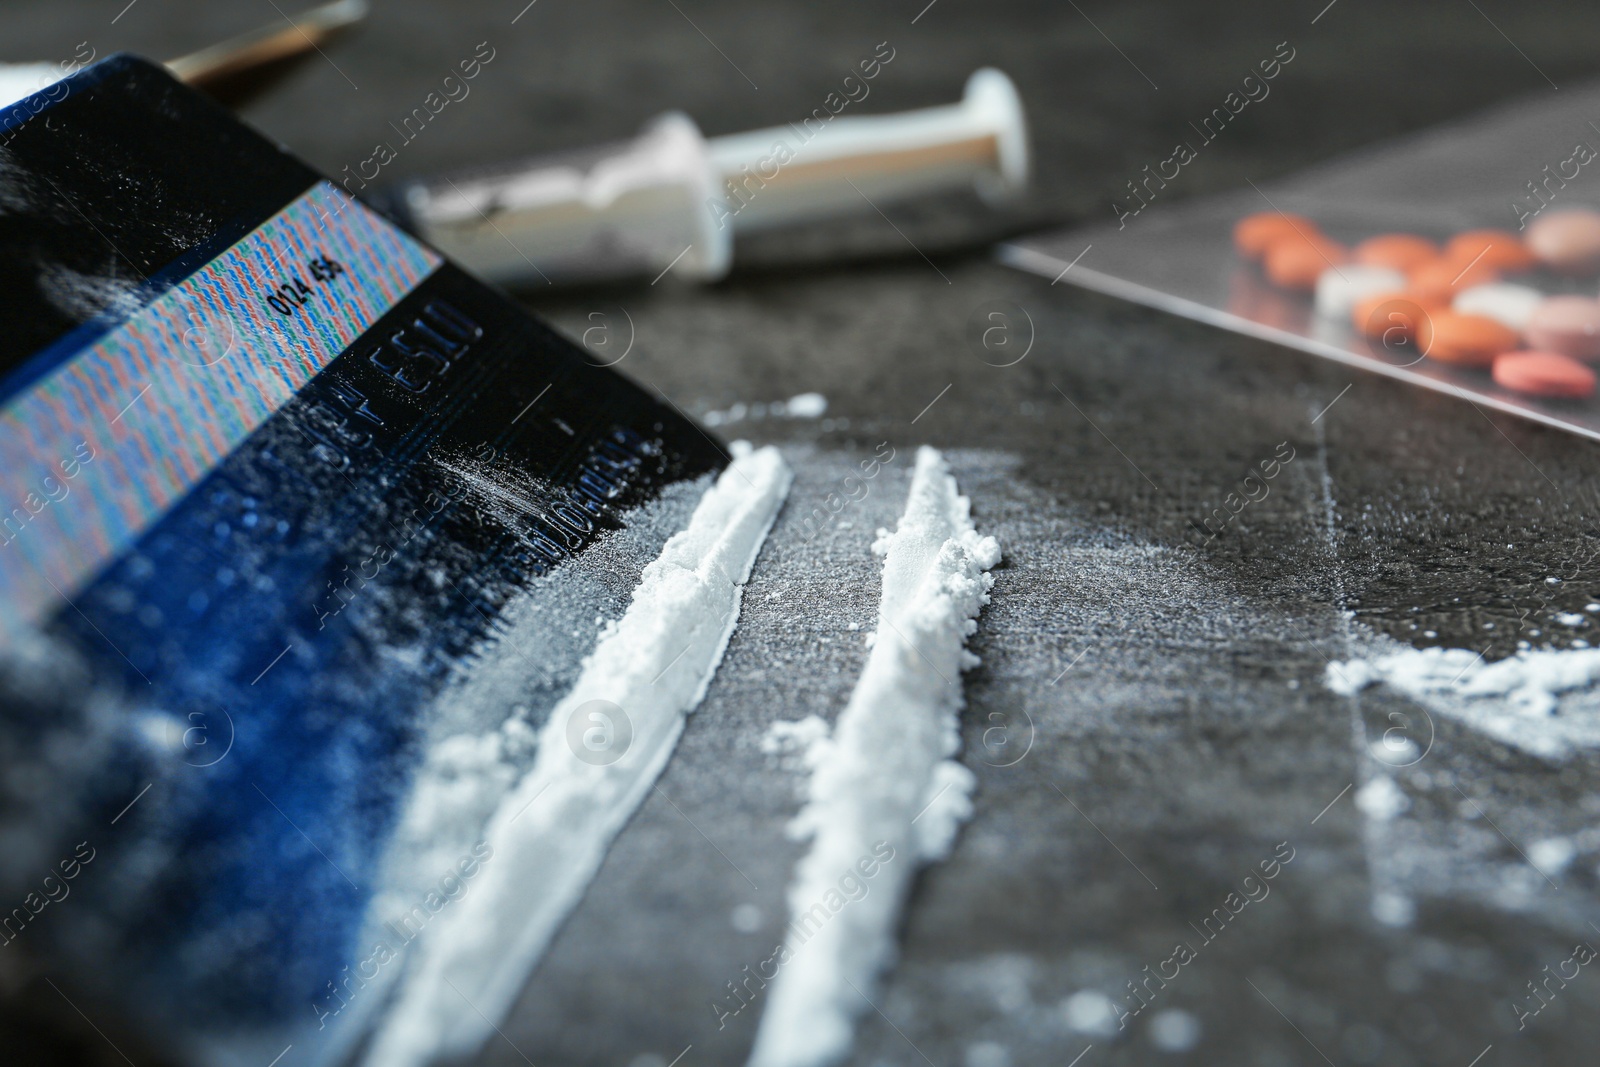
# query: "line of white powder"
[[888, 775], [551, 832]]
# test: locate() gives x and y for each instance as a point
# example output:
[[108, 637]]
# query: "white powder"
[[1381, 799], [1091, 1012], [1439, 832], [807, 406], [1551, 855], [1540, 701], [987, 1054], [800, 745], [803, 406], [888, 776], [551, 831], [1174, 1030], [1393, 909]]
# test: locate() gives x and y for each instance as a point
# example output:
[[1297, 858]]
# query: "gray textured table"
[[1192, 732]]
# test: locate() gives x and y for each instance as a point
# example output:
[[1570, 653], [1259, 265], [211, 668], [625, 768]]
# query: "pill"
[[1254, 234], [1566, 324], [1400, 251], [1297, 263], [1543, 374], [1440, 279], [1500, 249], [1391, 317], [1502, 301], [1338, 289], [1567, 241], [1469, 340]]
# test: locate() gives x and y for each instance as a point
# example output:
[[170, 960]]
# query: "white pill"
[[1503, 302], [1339, 288]]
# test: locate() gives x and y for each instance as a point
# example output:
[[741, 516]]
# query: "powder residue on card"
[[887, 797], [598, 754]]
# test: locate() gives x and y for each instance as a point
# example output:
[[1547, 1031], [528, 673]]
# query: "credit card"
[[271, 470]]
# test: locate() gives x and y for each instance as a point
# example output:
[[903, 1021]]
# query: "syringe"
[[671, 200]]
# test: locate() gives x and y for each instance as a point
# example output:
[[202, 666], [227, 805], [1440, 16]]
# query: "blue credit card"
[[254, 446]]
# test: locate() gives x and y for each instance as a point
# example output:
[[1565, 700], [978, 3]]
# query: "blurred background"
[[1107, 88]]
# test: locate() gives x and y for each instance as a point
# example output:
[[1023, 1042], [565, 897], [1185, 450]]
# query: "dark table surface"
[[1190, 733]]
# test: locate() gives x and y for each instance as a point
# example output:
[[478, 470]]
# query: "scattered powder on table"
[[1381, 799], [886, 796], [551, 831], [804, 406], [799, 744], [1543, 702]]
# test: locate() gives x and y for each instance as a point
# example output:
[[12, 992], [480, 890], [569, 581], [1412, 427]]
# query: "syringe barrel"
[[628, 209], [825, 167]]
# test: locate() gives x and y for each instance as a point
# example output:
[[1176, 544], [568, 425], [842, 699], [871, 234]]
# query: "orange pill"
[[1468, 340], [1391, 317], [1439, 280], [1296, 263], [1500, 249], [1254, 234], [1543, 374], [1399, 251]]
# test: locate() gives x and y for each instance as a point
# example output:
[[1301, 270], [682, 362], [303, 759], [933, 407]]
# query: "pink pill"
[[1567, 241], [1566, 324], [1543, 374]]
